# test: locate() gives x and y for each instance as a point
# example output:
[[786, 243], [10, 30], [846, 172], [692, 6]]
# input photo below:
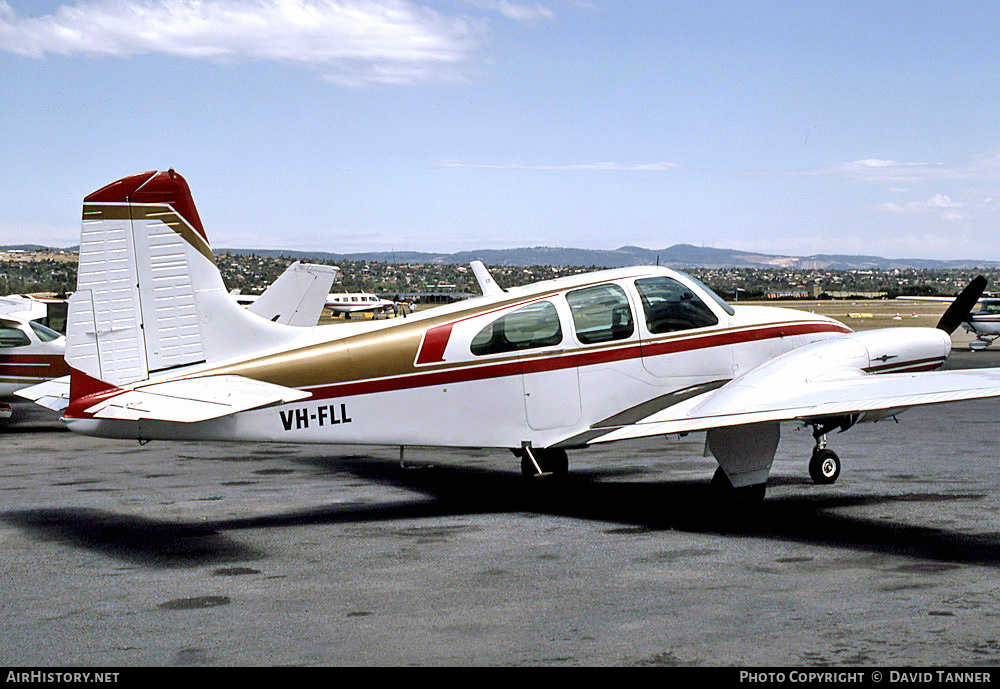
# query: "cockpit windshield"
[[990, 306], [718, 300]]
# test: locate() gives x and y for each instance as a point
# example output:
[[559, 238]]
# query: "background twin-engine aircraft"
[[159, 350], [985, 322], [296, 297], [347, 304]]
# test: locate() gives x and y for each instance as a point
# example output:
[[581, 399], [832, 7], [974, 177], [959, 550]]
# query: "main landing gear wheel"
[[723, 488], [824, 466], [553, 462]]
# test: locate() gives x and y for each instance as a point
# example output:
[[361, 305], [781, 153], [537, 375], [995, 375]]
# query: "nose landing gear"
[[824, 465]]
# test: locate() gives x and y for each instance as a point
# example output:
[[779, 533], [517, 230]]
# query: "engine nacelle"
[[871, 352], [888, 350], [899, 350]]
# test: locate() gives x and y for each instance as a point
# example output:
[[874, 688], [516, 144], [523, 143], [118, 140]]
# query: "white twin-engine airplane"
[[158, 350], [985, 322], [350, 303]]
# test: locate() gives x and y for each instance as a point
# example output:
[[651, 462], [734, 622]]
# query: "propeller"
[[960, 309]]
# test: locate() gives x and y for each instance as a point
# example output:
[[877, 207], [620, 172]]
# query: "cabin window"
[[708, 290], [44, 334], [670, 306], [12, 336], [600, 313], [531, 326]]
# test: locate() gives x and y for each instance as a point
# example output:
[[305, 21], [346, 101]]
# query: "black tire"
[[724, 490], [527, 468], [721, 483], [824, 467]]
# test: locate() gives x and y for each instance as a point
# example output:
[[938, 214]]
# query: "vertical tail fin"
[[298, 296], [149, 296]]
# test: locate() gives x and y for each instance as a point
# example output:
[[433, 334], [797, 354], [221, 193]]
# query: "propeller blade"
[[962, 306]]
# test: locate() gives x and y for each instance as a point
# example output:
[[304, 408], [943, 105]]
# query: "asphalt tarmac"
[[227, 554]]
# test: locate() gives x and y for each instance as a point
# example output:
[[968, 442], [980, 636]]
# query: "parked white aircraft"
[[296, 298], [985, 322], [30, 352], [350, 303], [540, 369]]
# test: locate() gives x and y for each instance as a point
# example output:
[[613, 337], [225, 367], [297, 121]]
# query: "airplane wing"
[[186, 400], [845, 393], [21, 306], [863, 376], [938, 299]]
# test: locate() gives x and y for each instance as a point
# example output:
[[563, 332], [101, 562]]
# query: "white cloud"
[[941, 201], [939, 204], [353, 42], [572, 167], [935, 202], [875, 170], [519, 12]]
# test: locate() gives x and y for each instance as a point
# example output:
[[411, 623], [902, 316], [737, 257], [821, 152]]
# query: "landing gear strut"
[[542, 462]]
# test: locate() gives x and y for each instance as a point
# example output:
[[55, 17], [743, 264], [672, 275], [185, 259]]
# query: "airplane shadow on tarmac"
[[587, 495]]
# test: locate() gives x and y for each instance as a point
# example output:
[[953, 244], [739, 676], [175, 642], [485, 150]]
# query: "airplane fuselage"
[[533, 365], [348, 303], [988, 325], [29, 354]]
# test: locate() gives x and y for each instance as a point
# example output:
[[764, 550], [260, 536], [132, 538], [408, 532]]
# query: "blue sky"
[[353, 125]]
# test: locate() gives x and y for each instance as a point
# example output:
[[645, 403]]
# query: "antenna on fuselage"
[[486, 282]]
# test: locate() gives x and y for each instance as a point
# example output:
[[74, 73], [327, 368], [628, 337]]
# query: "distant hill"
[[30, 247], [677, 256]]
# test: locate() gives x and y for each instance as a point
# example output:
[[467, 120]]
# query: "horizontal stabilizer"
[[194, 399], [53, 394]]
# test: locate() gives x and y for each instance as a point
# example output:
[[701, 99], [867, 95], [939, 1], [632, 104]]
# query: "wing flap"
[[194, 399]]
